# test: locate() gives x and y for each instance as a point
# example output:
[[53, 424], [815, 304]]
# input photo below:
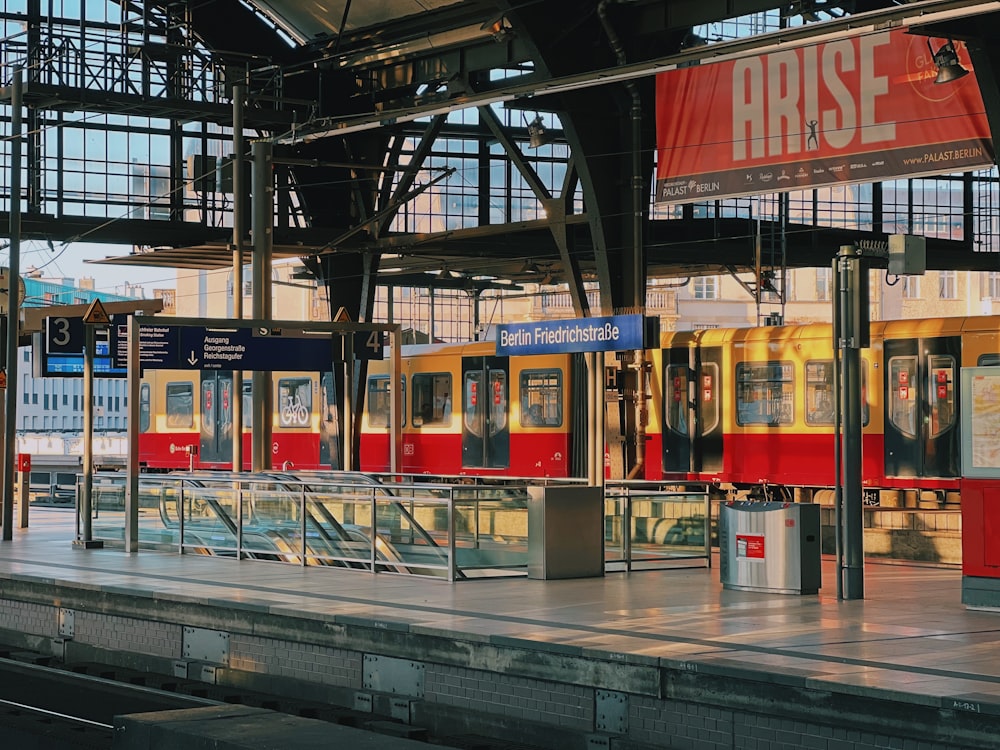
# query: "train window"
[[820, 394], [295, 399], [380, 400], [541, 398], [765, 393], [144, 392], [941, 393], [498, 401], [676, 398], [988, 360], [180, 404], [247, 404], [902, 394], [473, 407], [208, 406], [708, 395], [431, 398]]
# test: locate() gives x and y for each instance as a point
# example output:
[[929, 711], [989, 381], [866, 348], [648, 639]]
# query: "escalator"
[[278, 525]]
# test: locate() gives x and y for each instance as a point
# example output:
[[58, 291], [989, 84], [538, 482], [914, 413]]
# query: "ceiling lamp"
[[946, 59], [538, 134]]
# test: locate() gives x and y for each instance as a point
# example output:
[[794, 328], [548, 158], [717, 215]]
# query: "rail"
[[453, 527]]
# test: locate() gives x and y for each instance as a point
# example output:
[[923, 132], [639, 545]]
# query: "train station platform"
[[650, 659]]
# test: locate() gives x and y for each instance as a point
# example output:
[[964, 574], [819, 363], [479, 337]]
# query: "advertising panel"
[[861, 109]]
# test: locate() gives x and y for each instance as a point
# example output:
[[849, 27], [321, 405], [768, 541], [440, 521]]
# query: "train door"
[[696, 447], [216, 417], [485, 412], [329, 429], [709, 408], [921, 401]]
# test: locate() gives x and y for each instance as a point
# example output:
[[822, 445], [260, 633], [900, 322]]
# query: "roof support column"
[[239, 144], [262, 229]]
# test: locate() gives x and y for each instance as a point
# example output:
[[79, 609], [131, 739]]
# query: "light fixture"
[[499, 28], [946, 60], [538, 134], [529, 267], [691, 40]]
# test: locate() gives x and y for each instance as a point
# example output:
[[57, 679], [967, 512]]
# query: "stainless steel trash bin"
[[771, 547]]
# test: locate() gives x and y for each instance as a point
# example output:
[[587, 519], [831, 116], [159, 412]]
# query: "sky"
[[68, 262]]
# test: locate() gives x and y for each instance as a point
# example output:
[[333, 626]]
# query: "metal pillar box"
[[565, 532], [770, 547]]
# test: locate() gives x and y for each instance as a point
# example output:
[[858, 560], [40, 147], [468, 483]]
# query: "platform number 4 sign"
[[367, 345]]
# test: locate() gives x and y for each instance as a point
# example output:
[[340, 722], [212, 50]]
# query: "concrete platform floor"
[[910, 640]]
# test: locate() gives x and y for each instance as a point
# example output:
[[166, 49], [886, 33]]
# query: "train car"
[[747, 410], [751, 410], [186, 422], [467, 411]]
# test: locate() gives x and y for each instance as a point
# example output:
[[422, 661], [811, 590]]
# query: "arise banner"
[[862, 109]]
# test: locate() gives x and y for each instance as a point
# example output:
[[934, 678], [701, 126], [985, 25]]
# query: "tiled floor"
[[910, 635]]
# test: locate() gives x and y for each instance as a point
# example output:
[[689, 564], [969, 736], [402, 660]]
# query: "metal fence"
[[452, 528]]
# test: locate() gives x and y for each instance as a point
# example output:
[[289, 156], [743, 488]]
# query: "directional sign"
[[259, 349], [168, 346]]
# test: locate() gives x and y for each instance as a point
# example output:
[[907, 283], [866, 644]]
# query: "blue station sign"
[[173, 346], [604, 334], [182, 347], [259, 349]]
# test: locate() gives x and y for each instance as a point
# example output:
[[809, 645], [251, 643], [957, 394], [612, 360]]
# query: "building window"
[[911, 287], [823, 276], [993, 285], [705, 287], [947, 285]]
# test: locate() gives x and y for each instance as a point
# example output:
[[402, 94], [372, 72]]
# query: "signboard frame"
[[59, 349], [980, 420], [861, 108]]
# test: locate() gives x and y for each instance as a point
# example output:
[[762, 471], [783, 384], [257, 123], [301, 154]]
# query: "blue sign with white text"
[[259, 349], [605, 334]]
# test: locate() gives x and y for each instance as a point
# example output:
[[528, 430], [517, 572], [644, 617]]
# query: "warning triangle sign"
[[96, 315], [342, 316]]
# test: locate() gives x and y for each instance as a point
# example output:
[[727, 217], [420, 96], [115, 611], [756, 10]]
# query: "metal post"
[[838, 494], [239, 93], [13, 312], [852, 274], [262, 226], [600, 434], [24, 489], [396, 412], [591, 434], [132, 452], [87, 499], [350, 460]]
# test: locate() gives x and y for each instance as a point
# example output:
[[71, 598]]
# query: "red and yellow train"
[[741, 408]]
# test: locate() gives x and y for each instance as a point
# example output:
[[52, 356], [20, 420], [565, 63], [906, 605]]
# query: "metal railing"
[[451, 528], [645, 525]]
